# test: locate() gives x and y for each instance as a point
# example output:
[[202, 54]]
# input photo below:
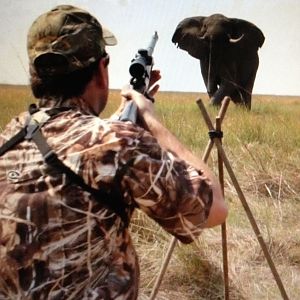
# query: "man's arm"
[[169, 142]]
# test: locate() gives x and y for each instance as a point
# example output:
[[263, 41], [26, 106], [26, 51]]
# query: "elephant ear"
[[187, 36], [252, 35]]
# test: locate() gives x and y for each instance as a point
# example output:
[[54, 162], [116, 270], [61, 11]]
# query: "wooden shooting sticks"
[[216, 135]]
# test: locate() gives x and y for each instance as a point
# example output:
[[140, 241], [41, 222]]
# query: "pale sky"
[[134, 22]]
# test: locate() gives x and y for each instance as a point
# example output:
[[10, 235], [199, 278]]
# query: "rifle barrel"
[[152, 43]]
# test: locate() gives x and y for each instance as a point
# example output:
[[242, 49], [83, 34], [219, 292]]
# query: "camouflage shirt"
[[56, 241]]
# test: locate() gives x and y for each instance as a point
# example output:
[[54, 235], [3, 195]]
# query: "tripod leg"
[[244, 203], [163, 268], [172, 244], [223, 226]]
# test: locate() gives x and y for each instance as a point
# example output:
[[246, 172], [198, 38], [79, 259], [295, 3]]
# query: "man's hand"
[[153, 86], [145, 106]]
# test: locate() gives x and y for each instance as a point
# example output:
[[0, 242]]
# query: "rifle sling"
[[16, 139]]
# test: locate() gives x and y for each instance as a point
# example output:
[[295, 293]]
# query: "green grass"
[[263, 147]]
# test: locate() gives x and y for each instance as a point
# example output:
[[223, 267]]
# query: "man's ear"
[[102, 74]]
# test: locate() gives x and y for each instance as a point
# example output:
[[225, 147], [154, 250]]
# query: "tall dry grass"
[[13, 99], [263, 146]]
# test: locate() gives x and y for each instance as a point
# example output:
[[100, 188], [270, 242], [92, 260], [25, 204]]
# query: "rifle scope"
[[143, 59]]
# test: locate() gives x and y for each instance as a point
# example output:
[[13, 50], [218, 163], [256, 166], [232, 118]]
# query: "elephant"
[[228, 52]]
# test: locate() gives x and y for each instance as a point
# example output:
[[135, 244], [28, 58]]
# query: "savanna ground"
[[263, 147]]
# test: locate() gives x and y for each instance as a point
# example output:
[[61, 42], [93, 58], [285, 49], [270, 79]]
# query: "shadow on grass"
[[196, 278]]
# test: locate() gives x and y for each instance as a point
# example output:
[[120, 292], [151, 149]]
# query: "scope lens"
[[137, 68]]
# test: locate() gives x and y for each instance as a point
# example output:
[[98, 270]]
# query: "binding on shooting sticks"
[[216, 134]]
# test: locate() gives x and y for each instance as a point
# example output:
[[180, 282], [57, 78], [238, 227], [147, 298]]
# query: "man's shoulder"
[[15, 124], [89, 130]]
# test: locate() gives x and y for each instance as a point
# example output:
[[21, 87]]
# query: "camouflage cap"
[[66, 39]]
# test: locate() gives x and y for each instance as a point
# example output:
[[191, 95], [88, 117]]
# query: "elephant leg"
[[219, 95], [239, 93], [247, 82], [227, 83], [226, 88], [246, 97], [241, 97], [246, 90]]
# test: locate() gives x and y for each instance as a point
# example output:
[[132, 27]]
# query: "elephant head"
[[227, 50], [187, 37], [194, 34]]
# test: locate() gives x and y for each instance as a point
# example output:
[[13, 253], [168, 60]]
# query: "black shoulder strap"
[[16, 139], [112, 198]]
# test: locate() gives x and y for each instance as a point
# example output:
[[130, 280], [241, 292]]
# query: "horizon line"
[[165, 91]]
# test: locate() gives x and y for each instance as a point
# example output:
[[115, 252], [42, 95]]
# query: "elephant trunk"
[[177, 36]]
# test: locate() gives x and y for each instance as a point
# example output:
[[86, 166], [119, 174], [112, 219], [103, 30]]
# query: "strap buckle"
[[35, 122], [30, 130]]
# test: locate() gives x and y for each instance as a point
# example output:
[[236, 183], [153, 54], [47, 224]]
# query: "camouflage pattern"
[[56, 241], [66, 39]]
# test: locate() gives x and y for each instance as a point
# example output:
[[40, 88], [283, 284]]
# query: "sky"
[[134, 21]]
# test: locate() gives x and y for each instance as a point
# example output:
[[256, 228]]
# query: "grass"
[[263, 147], [13, 99]]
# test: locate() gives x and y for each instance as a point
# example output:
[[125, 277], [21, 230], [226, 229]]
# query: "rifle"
[[140, 70]]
